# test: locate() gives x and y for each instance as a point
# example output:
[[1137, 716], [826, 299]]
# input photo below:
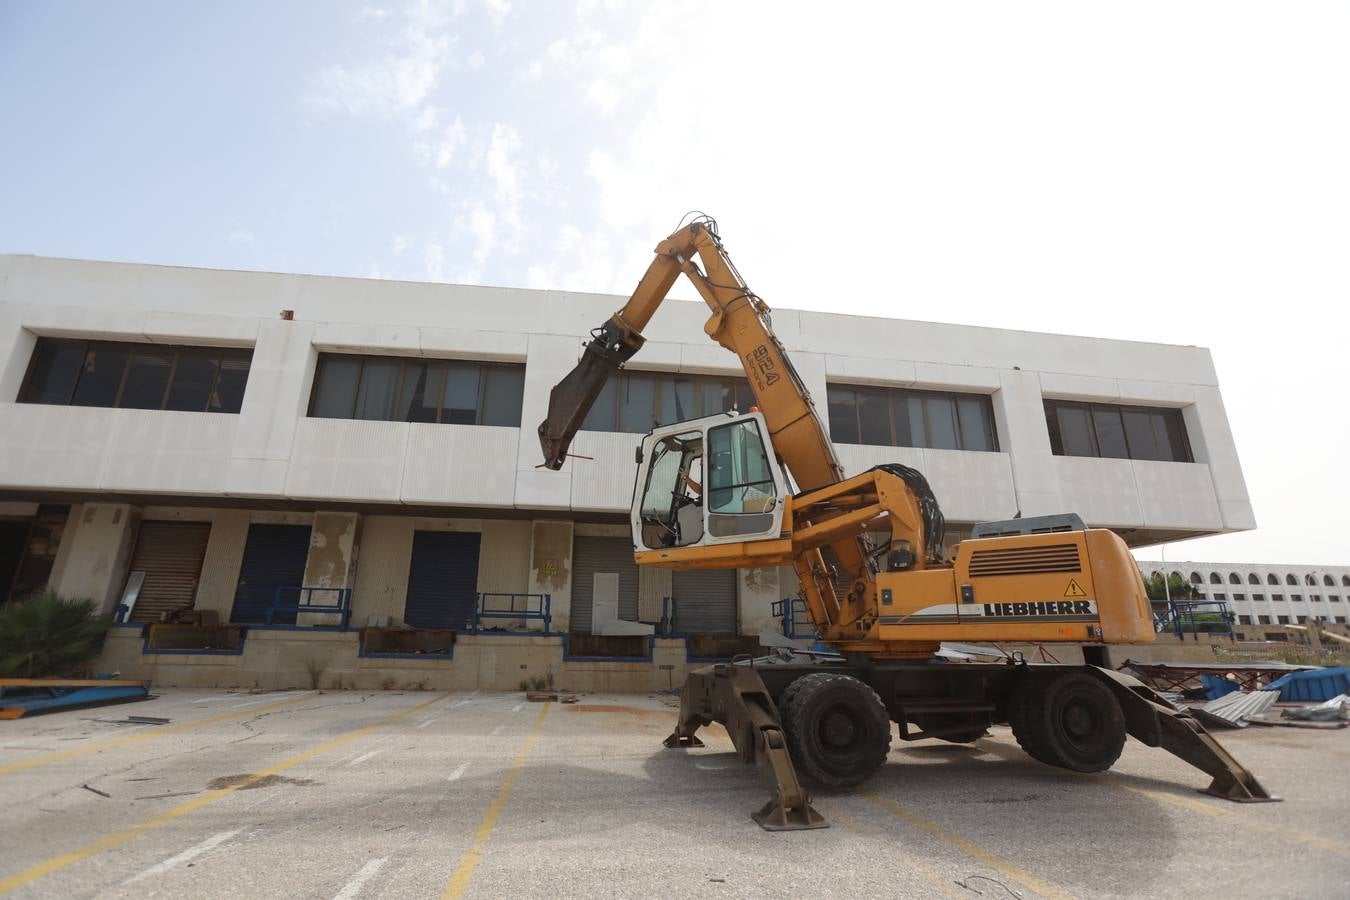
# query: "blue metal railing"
[[1183, 617], [796, 622], [333, 601], [520, 607]]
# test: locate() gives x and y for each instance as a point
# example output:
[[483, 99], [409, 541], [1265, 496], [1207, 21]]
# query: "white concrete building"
[[1266, 594], [240, 436]]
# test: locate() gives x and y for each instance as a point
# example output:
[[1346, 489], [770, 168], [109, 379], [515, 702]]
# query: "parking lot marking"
[[459, 881], [518, 707], [458, 773], [425, 722], [56, 863], [364, 756], [159, 731], [1008, 869], [190, 853], [353, 887], [946, 885]]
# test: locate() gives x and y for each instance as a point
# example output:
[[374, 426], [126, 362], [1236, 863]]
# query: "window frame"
[[615, 391], [1052, 406], [363, 359], [892, 394], [134, 348]]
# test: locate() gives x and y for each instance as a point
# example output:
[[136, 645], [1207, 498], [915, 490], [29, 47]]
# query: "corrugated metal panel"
[[705, 601], [274, 556], [442, 579], [601, 554], [170, 554], [1233, 710]]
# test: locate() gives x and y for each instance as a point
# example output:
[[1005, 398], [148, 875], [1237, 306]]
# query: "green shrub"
[[46, 634]]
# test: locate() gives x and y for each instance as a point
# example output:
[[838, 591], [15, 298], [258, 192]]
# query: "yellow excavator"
[[763, 487]]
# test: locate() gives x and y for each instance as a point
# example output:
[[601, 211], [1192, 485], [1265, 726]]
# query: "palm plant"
[[47, 634]]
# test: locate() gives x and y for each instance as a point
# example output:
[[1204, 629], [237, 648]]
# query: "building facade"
[[1266, 594], [241, 443]]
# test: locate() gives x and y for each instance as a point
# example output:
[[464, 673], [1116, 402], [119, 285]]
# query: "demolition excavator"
[[763, 487]]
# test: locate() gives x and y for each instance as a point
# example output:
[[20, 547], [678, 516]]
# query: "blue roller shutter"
[[274, 556], [442, 579]]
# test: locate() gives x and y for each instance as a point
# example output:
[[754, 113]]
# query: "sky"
[[1159, 171]]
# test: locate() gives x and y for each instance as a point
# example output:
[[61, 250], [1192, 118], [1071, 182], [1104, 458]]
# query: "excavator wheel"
[[1067, 719], [837, 728]]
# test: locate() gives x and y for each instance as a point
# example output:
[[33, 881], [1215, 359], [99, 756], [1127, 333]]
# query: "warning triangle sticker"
[[1074, 589]]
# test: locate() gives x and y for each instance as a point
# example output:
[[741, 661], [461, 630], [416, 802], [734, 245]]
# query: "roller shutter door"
[[705, 601], [170, 554], [601, 554], [274, 556], [442, 580]]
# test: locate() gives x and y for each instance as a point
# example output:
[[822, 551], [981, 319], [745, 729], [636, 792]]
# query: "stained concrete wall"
[[551, 567], [95, 566]]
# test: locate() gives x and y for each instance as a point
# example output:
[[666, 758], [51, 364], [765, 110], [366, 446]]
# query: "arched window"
[[1174, 574], [1310, 579], [1214, 578], [1196, 579], [1328, 581], [1290, 579], [1234, 578], [1271, 579], [1345, 580], [1253, 578], [1154, 574]]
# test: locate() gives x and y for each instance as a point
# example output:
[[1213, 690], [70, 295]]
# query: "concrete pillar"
[[551, 567], [95, 566], [756, 592], [1019, 414], [220, 566], [333, 543]]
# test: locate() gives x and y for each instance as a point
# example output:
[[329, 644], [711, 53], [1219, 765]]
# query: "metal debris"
[[96, 790], [1233, 710], [1333, 710]]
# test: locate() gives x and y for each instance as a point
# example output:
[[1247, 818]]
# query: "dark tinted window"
[[390, 389], [635, 402], [1118, 432], [136, 376], [893, 417]]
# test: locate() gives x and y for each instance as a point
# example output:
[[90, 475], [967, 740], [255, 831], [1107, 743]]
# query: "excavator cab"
[[705, 482]]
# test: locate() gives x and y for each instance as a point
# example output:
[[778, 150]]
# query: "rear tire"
[[837, 728], [1067, 719]]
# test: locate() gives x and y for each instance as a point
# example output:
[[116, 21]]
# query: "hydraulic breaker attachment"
[[1151, 719], [735, 697]]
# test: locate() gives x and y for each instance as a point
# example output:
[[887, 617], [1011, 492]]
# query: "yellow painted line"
[[459, 881], [1226, 811], [997, 863], [146, 736], [56, 863], [934, 877]]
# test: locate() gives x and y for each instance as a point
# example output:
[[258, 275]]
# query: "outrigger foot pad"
[[678, 741], [776, 817]]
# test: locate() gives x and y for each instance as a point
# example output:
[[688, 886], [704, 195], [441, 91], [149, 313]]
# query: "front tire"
[[1067, 719], [837, 728]]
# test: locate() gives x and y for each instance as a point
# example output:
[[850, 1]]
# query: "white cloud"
[[375, 14], [399, 245], [475, 60], [452, 139]]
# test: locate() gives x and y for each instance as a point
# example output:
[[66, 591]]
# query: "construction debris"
[[1333, 710], [1312, 685], [1234, 709], [549, 697]]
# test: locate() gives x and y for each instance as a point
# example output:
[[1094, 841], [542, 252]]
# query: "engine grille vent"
[[1025, 561]]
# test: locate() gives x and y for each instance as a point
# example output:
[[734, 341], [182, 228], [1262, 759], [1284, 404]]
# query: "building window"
[[1253, 578], [1345, 581], [1263, 620], [1118, 432], [895, 417], [136, 376], [1314, 598], [1239, 597], [1259, 598], [1328, 581], [1290, 579], [1297, 598], [1196, 579], [1283, 620], [1334, 598], [1214, 578], [1310, 579], [1234, 578], [1244, 620], [637, 402], [1302, 619], [1221, 597], [1278, 598], [1272, 579], [395, 389]]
